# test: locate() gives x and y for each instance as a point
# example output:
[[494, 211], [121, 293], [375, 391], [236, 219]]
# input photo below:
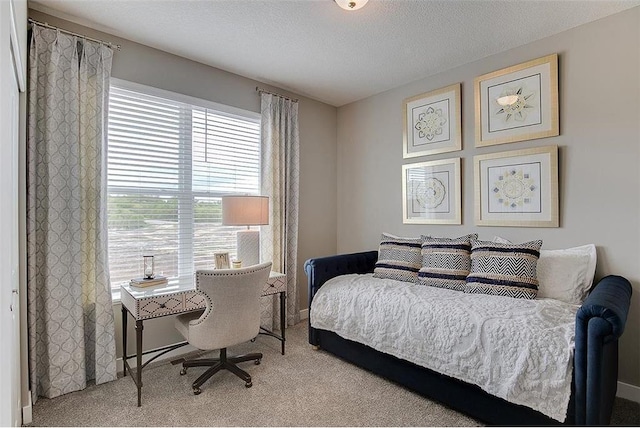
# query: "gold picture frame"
[[517, 103], [431, 192], [432, 123], [517, 188]]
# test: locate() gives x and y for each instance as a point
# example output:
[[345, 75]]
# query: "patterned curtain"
[[280, 170], [70, 314]]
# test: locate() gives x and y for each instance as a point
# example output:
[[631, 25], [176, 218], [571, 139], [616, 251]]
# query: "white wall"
[[317, 124], [599, 81]]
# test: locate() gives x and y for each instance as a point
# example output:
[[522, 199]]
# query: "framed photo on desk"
[[221, 260]]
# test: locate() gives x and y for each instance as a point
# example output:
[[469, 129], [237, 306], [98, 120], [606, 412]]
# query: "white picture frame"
[[517, 188], [431, 192], [432, 123], [221, 260]]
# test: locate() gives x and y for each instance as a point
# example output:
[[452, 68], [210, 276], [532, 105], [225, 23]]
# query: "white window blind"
[[169, 163]]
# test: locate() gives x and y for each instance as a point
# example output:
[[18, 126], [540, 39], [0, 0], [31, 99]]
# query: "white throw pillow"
[[565, 275]]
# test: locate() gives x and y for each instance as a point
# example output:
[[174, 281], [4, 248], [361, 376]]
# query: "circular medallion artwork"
[[430, 123], [514, 189], [430, 193], [516, 105]]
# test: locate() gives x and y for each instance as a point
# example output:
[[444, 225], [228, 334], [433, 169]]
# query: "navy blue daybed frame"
[[599, 323]]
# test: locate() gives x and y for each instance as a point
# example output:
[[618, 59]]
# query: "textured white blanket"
[[520, 350]]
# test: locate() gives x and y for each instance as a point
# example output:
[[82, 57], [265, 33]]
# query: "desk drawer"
[[194, 300], [275, 284], [160, 305]]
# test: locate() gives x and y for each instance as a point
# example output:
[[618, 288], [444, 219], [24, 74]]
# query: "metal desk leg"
[[124, 339], [139, 328], [283, 317]]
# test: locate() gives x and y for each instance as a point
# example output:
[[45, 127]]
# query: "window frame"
[[181, 193]]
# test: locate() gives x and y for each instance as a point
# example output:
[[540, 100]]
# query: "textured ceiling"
[[316, 49]]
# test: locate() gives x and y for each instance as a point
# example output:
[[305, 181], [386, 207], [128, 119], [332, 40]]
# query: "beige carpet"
[[302, 388]]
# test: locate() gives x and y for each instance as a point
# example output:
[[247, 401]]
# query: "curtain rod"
[[259, 89], [62, 30]]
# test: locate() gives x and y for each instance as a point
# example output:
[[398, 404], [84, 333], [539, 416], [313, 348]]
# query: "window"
[[170, 159]]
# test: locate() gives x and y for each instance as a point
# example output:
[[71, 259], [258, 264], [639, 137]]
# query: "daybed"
[[599, 322]]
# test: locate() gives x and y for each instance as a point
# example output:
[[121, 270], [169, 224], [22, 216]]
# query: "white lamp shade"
[[245, 210]]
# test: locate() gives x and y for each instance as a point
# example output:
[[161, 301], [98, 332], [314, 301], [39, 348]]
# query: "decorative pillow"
[[565, 275], [398, 258], [446, 262], [504, 269]]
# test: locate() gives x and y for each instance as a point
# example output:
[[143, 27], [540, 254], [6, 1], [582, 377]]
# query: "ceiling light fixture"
[[351, 4]]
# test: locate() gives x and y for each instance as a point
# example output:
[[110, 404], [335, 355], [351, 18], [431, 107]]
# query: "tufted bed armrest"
[[322, 269], [599, 323]]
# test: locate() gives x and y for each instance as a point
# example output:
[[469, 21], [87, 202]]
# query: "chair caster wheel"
[[257, 362], [253, 340], [183, 371], [248, 385], [196, 391]]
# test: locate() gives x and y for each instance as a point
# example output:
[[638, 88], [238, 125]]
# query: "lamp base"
[[248, 244]]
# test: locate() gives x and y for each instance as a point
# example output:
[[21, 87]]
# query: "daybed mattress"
[[519, 350]]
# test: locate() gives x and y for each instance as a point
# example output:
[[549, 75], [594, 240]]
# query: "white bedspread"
[[519, 350]]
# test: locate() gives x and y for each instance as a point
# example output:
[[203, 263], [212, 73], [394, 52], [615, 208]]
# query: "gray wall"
[[317, 124], [599, 153], [599, 81]]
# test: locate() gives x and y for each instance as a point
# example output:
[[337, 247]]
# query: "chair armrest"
[[600, 321], [322, 269]]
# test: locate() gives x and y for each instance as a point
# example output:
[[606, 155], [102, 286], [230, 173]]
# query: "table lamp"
[[246, 211]]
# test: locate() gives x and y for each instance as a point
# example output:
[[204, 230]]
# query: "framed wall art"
[[517, 188], [431, 192], [432, 123], [517, 103]]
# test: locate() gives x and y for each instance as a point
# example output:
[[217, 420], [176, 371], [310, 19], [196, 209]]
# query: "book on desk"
[[149, 282]]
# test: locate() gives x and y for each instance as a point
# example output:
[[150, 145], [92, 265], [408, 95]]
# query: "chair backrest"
[[233, 306]]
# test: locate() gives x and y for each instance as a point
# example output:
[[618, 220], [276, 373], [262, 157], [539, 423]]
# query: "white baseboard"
[[304, 314], [176, 353], [629, 392], [27, 412]]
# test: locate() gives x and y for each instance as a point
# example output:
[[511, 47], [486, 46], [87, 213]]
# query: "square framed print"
[[432, 123], [517, 103], [517, 188], [431, 192]]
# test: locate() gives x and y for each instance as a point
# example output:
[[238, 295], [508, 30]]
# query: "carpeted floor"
[[302, 388]]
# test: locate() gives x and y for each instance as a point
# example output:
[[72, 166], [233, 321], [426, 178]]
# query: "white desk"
[[154, 302]]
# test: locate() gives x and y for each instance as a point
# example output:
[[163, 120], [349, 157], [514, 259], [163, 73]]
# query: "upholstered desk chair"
[[232, 317]]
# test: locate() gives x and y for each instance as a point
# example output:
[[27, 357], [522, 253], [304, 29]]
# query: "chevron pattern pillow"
[[504, 269], [446, 262], [398, 258]]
